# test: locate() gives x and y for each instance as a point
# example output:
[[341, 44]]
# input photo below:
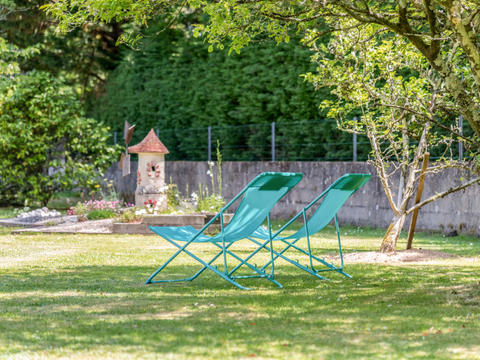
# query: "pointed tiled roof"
[[151, 144]]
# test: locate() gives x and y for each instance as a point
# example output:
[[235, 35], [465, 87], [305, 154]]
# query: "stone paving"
[[38, 218], [82, 227]]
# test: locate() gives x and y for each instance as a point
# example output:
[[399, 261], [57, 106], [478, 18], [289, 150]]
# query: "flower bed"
[[195, 220]]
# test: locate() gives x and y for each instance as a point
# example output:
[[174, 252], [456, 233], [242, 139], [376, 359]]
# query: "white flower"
[[209, 173], [211, 163], [194, 196]]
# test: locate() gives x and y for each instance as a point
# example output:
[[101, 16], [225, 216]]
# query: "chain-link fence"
[[310, 140], [314, 140]]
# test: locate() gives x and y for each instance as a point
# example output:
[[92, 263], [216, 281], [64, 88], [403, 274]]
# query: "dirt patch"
[[397, 257]]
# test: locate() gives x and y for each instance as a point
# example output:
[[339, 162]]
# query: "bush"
[[173, 197], [101, 214], [211, 204], [82, 210], [130, 216], [64, 200], [46, 145]]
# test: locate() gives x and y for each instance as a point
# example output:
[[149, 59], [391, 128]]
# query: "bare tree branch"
[[443, 194]]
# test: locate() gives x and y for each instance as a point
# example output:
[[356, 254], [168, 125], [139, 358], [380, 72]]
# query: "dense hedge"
[[172, 83]]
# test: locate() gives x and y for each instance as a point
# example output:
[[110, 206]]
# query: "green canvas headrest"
[[351, 182], [275, 181]]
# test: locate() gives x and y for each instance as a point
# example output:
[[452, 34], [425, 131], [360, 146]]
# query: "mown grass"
[[83, 297]]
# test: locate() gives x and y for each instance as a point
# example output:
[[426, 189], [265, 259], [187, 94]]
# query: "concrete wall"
[[369, 207]]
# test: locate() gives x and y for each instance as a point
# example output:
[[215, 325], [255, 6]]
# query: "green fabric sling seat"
[[333, 198], [258, 199]]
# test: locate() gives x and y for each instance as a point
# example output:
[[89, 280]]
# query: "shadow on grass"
[[381, 312]]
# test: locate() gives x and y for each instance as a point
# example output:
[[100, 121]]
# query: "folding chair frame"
[[224, 250], [267, 244], [291, 244]]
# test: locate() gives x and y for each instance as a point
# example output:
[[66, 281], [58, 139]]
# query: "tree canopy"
[[171, 83], [444, 32], [82, 56], [403, 115]]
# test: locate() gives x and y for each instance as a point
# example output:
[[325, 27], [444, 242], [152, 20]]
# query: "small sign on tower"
[[125, 158]]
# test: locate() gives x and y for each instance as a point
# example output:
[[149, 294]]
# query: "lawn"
[[81, 297]]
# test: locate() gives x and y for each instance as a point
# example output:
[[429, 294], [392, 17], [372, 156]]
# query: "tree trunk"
[[390, 238]]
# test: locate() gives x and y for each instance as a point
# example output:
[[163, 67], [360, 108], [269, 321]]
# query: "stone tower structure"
[[151, 171]]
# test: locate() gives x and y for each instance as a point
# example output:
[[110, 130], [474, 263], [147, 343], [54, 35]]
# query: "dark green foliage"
[[46, 144], [175, 85], [173, 197], [100, 214], [64, 200], [82, 56]]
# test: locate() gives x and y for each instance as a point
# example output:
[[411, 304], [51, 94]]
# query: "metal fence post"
[[115, 138], [460, 143], [157, 132], [355, 142], [273, 141], [209, 143]]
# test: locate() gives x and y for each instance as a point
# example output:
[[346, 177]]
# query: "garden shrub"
[[130, 215], [210, 204], [63, 200], [46, 144], [173, 197], [84, 209], [99, 214]]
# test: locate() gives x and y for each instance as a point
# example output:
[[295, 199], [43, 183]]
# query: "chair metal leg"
[[206, 265], [193, 277], [252, 254], [340, 270], [330, 266], [253, 267], [293, 262]]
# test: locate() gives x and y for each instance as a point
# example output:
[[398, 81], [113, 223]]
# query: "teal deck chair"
[[258, 199], [333, 199]]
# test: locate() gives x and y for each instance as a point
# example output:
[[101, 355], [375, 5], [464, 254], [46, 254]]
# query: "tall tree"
[[441, 30], [82, 56], [10, 55], [403, 115]]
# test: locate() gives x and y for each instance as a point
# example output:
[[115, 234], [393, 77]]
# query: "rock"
[[38, 214], [452, 233]]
